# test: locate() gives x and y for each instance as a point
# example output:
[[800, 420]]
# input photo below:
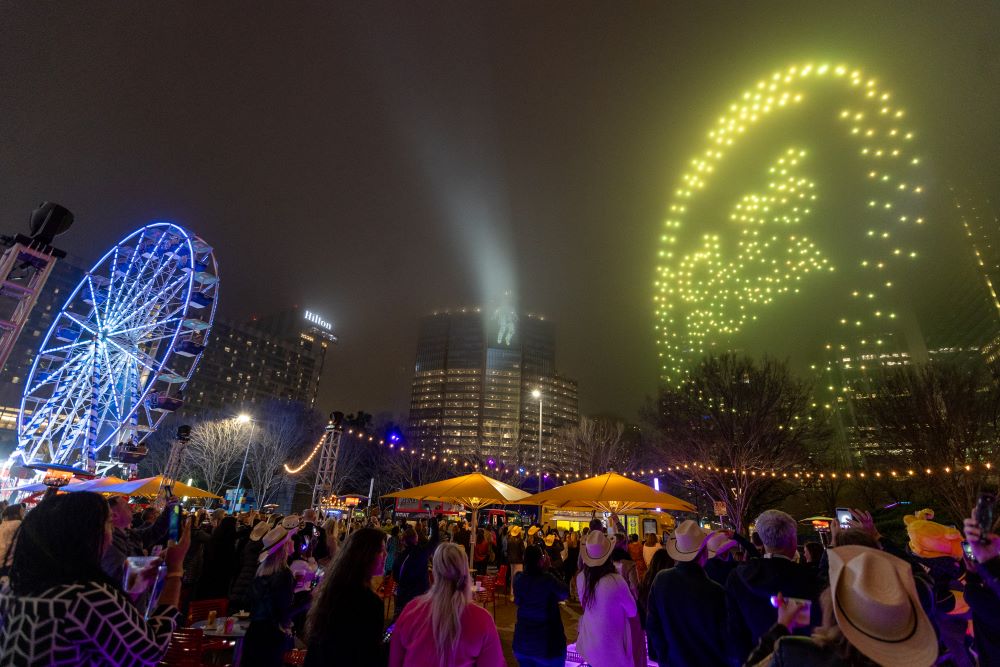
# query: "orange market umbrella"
[[473, 491], [150, 487], [609, 492]]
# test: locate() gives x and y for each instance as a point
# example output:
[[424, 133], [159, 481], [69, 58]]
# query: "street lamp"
[[537, 394], [243, 419]]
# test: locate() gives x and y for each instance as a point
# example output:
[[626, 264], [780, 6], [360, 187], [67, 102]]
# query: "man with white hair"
[[750, 587]]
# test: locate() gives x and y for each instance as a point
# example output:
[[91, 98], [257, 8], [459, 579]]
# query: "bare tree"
[[596, 446], [941, 416], [216, 446], [736, 427], [284, 430]]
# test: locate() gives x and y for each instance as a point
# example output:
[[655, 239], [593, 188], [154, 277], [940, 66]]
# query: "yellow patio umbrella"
[[473, 491], [150, 487], [609, 492]]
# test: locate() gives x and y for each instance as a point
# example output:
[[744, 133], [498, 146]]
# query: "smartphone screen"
[[967, 550], [844, 517], [174, 527]]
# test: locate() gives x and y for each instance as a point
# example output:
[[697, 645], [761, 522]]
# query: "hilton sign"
[[317, 320]]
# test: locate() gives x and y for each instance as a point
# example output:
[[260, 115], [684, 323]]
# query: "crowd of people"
[[695, 597]]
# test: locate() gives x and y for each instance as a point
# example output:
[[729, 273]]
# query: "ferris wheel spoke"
[[110, 375], [152, 307], [82, 324], [93, 295], [59, 374], [150, 325], [141, 280], [68, 346], [164, 291], [138, 356], [59, 414]]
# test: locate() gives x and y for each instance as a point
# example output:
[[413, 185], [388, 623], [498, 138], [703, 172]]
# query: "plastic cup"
[[134, 565]]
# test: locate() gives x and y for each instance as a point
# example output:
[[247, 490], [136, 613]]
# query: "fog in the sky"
[[375, 161]]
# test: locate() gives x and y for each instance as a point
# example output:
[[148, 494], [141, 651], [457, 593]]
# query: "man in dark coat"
[[410, 569], [686, 609], [750, 587]]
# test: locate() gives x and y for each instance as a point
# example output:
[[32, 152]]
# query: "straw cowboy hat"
[[276, 537], [877, 608], [259, 531], [532, 530], [515, 531], [596, 548], [687, 541], [550, 540], [719, 542], [291, 522]]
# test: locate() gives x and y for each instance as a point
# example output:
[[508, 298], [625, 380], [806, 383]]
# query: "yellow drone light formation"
[[713, 285]]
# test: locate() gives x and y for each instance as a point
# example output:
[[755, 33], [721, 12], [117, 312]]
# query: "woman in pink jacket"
[[441, 628]]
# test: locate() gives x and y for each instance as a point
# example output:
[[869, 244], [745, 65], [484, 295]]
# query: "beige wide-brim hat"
[[687, 541], [532, 530], [877, 607], [259, 531], [719, 542], [515, 531], [596, 548], [274, 539]]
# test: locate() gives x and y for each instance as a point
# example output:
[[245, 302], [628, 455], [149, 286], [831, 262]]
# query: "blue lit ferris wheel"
[[118, 355]]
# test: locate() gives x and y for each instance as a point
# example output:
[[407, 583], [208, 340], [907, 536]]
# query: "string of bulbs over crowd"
[[677, 470]]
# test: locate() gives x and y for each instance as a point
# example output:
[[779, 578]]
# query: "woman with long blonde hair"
[[442, 628]]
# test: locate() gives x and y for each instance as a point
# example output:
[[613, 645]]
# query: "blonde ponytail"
[[448, 597]]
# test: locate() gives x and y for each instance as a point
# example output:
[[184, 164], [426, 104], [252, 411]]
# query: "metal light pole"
[[537, 393], [243, 419]]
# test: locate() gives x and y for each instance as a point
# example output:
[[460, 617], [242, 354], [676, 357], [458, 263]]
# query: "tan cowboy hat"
[[291, 522], [596, 548], [687, 541], [259, 531], [515, 531], [274, 538], [877, 608], [719, 542], [532, 530], [550, 540]]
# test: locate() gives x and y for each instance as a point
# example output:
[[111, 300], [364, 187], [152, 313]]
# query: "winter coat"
[[686, 611], [748, 598], [539, 631], [787, 651], [982, 592], [410, 570], [515, 550], [245, 575]]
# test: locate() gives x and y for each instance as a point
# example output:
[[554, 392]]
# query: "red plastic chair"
[[185, 648], [501, 581], [488, 594], [387, 591]]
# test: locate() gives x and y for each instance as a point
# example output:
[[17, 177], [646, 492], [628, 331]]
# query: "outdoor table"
[[236, 636]]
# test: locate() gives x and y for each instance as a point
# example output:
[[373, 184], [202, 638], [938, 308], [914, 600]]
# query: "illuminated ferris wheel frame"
[[118, 355]]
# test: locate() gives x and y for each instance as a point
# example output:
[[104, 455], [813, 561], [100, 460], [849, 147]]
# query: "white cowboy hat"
[[877, 607], [259, 531], [687, 541], [274, 539], [596, 548]]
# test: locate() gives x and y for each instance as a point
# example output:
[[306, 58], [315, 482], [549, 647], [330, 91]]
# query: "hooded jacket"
[[748, 599]]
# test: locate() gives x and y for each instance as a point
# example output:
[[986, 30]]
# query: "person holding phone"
[[128, 541], [61, 604]]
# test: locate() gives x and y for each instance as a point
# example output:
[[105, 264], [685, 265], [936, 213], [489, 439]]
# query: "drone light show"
[[717, 278]]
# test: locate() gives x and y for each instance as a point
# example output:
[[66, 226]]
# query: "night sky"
[[376, 161]]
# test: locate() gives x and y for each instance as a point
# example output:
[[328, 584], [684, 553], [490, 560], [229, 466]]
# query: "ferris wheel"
[[118, 355]]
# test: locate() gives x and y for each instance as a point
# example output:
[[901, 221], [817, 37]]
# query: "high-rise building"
[[472, 388], [275, 357]]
